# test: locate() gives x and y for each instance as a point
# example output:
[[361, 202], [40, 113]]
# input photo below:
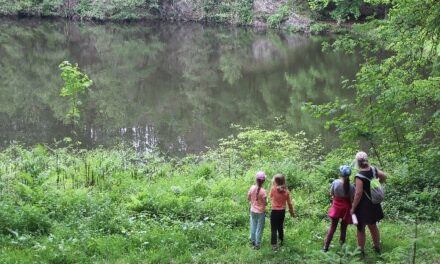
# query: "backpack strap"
[[363, 177]]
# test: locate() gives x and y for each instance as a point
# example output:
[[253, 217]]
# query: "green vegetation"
[[101, 10], [348, 10], [66, 205], [75, 84], [271, 13], [70, 205], [233, 12], [319, 28], [281, 14], [396, 110]]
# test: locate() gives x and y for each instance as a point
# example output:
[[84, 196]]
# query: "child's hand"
[[293, 213]]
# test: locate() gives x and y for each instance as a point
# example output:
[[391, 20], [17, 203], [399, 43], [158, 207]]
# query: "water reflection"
[[176, 87]]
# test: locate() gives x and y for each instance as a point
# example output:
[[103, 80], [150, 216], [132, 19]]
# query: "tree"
[[75, 84]]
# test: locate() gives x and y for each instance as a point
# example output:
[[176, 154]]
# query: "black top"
[[366, 186], [367, 212]]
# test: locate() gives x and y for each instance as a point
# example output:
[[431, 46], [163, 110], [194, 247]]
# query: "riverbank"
[[65, 205], [260, 14]]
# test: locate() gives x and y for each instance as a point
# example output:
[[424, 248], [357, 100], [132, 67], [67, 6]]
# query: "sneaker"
[[274, 248], [324, 249], [361, 252], [257, 247], [252, 243]]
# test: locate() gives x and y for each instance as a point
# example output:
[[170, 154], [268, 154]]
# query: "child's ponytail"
[[259, 183], [280, 182], [345, 174], [346, 186], [260, 177]]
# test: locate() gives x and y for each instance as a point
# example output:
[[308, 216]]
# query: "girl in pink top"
[[280, 196], [342, 193], [257, 198]]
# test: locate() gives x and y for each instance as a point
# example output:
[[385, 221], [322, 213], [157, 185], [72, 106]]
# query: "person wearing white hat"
[[367, 213]]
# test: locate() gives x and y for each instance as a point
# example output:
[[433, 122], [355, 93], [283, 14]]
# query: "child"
[[280, 196], [257, 197], [342, 193]]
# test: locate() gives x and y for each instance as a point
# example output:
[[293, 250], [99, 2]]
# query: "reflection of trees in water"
[[175, 87]]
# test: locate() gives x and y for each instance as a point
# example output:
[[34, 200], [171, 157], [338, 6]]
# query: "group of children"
[[342, 193], [350, 204], [280, 197]]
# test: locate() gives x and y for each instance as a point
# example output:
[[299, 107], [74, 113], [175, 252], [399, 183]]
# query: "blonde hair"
[[361, 160]]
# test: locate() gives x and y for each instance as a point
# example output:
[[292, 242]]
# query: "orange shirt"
[[279, 199]]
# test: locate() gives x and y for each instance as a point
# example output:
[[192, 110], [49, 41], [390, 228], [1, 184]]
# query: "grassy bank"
[[64, 205]]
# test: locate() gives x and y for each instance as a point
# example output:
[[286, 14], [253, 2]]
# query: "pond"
[[176, 87]]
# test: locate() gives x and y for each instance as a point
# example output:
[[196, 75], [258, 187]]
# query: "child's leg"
[[343, 232], [281, 226], [375, 235], [259, 230], [331, 231], [273, 227], [253, 221], [361, 236]]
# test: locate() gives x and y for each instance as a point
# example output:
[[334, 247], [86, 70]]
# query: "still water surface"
[[175, 87]]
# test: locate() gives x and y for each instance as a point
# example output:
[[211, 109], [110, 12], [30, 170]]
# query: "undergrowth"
[[67, 205]]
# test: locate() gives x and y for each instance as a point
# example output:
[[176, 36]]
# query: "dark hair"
[[346, 185], [259, 183]]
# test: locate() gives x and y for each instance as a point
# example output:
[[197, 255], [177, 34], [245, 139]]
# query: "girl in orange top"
[[280, 196]]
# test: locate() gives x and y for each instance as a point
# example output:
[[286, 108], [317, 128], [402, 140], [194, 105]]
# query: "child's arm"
[[290, 205], [249, 195], [332, 190], [382, 176], [357, 194]]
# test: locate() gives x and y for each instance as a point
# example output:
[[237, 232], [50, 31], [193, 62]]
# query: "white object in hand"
[[354, 219]]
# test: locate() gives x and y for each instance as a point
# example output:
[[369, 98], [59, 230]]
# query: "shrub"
[[319, 28], [24, 219], [280, 15]]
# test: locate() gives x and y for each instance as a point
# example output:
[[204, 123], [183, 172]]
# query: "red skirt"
[[341, 209]]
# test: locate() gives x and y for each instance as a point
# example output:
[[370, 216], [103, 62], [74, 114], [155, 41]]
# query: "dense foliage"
[[234, 11], [66, 205]]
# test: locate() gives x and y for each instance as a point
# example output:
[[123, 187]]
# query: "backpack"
[[376, 188]]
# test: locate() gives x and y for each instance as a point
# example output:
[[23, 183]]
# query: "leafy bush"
[[280, 15], [319, 28], [19, 220], [340, 10]]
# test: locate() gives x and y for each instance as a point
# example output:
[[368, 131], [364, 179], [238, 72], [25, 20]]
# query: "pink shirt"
[[258, 202], [279, 199]]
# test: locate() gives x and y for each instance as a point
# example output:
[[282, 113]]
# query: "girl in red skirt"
[[342, 194]]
